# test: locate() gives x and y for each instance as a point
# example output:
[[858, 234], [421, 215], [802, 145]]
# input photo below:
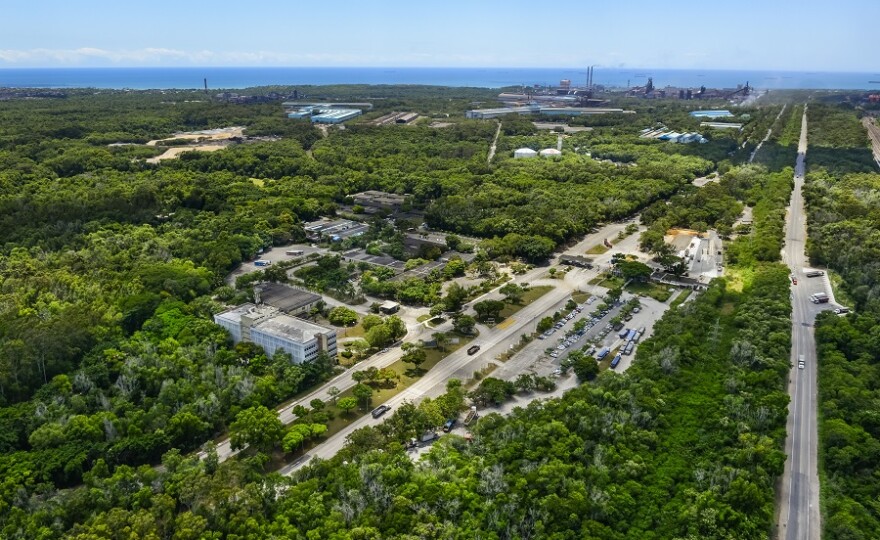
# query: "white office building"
[[271, 329]]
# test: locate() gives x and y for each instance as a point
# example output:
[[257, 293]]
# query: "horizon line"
[[618, 68]]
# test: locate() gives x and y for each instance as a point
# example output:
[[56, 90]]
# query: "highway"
[[799, 515]]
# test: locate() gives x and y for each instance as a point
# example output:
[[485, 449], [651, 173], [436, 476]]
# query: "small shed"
[[522, 153], [388, 307]]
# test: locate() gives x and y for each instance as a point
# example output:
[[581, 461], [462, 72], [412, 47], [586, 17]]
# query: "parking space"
[[274, 255]]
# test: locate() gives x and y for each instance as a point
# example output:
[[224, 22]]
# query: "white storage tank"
[[524, 153]]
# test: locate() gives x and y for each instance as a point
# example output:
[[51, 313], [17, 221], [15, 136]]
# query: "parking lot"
[[274, 255]]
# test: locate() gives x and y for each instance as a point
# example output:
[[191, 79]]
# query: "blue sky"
[[804, 35]]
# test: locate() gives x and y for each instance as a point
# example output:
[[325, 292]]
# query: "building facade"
[[269, 328]]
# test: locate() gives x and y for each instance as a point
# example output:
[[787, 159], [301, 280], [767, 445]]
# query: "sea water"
[[245, 77]]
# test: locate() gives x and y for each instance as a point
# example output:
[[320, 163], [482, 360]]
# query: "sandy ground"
[[220, 134], [703, 180], [174, 153]]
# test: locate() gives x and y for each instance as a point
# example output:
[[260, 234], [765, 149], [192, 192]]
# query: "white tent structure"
[[522, 153], [550, 152]]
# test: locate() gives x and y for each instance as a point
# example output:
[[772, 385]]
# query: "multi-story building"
[[268, 327]]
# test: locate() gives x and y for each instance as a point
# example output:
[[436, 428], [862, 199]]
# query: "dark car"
[[447, 427], [380, 410]]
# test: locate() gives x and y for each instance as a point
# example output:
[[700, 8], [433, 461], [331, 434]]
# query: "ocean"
[[245, 77]]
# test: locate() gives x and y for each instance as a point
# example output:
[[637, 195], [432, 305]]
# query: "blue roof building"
[[711, 114]]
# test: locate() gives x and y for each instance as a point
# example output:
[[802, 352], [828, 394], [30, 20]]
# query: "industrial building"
[[333, 230], [320, 115], [663, 134], [721, 125], [484, 114], [268, 327], [523, 153], [285, 298], [362, 105], [712, 114]]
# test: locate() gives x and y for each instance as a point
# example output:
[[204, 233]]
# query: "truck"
[[472, 350], [603, 353], [471, 416], [294, 252], [623, 333], [629, 347], [631, 335], [615, 361], [262, 262], [819, 298]]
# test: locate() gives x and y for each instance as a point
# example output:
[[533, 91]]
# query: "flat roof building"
[[324, 115], [388, 307], [334, 230], [712, 114], [537, 109], [285, 298], [268, 327], [334, 116]]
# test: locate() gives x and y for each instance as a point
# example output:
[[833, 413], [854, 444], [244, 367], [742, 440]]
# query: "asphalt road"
[[799, 515], [492, 342]]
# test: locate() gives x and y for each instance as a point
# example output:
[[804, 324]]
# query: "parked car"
[[447, 427], [842, 310], [380, 410]]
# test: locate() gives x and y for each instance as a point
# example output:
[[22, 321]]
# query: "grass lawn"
[[679, 300], [356, 331], [580, 297], [738, 277], [598, 249], [423, 318], [658, 292], [527, 298], [607, 281]]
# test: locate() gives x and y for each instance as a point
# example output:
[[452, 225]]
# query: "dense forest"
[[838, 141]]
